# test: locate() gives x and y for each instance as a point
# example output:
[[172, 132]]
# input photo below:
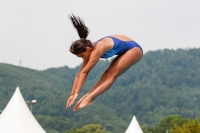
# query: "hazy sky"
[[39, 33]]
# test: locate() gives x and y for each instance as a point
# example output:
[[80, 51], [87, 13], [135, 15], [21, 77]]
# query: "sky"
[[37, 34]]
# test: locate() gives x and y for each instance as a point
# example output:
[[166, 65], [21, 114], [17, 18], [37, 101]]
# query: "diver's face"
[[86, 54]]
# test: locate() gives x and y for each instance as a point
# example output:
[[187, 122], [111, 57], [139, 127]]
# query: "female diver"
[[128, 53]]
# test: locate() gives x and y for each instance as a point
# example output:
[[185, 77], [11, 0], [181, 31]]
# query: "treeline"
[[169, 124], [164, 82]]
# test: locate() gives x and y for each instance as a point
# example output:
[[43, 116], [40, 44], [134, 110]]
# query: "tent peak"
[[17, 88], [18, 116]]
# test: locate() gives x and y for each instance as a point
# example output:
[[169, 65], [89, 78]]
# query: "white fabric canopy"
[[17, 117], [134, 127]]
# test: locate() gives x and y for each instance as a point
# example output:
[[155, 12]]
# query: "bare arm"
[[77, 77], [94, 58], [74, 95], [87, 65], [81, 76]]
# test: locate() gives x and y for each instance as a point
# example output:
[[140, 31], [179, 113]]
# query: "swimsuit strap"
[[113, 38], [99, 40]]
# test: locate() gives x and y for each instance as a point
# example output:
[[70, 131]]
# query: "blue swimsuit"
[[120, 47]]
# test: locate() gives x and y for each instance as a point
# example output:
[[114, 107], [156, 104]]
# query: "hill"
[[164, 82]]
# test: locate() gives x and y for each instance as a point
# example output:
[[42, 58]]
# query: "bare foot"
[[77, 104], [83, 103]]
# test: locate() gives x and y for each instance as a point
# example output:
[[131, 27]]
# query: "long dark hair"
[[79, 46]]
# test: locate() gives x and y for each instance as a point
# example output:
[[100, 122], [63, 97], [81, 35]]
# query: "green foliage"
[[168, 122], [164, 82], [192, 126], [91, 128], [147, 130]]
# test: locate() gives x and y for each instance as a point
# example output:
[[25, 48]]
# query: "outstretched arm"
[[94, 58], [88, 64], [74, 95], [77, 77], [80, 79]]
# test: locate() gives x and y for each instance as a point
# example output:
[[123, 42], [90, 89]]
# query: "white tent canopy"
[[134, 127], [17, 118]]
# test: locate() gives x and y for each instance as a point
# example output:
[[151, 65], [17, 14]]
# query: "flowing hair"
[[79, 26], [79, 46]]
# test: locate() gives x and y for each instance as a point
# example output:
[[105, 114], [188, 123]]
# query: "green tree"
[[72, 130], [168, 122], [91, 128], [146, 130], [192, 126]]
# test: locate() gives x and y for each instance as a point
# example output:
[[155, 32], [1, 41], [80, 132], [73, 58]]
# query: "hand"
[[71, 100]]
